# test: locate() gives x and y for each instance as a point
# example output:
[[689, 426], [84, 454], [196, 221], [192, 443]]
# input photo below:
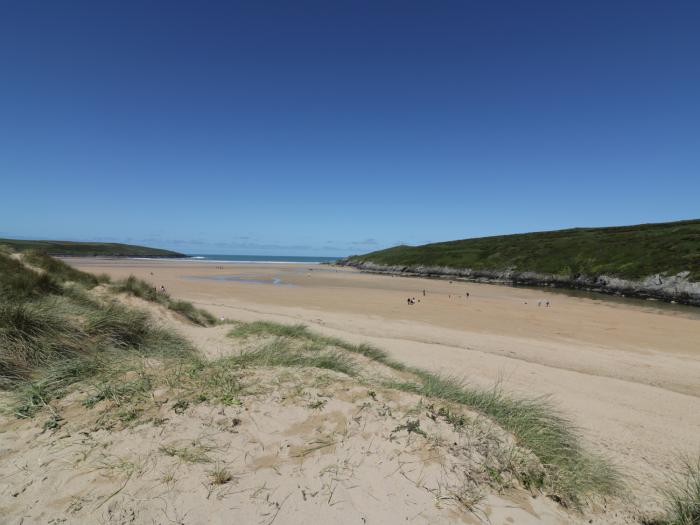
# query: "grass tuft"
[[32, 335], [119, 325], [266, 328], [61, 271], [148, 292], [314, 340], [280, 353], [572, 473], [19, 283], [194, 314], [682, 496], [220, 476]]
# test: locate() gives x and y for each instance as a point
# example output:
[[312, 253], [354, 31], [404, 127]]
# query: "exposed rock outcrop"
[[677, 288]]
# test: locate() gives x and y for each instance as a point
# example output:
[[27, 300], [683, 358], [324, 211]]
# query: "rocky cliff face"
[[675, 288]]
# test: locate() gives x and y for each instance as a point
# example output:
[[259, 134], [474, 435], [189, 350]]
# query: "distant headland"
[[88, 249]]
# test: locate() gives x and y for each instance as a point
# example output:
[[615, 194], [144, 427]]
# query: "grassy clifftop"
[[88, 249], [630, 252]]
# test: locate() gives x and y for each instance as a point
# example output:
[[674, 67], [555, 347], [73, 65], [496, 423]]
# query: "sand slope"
[[628, 375], [298, 446]]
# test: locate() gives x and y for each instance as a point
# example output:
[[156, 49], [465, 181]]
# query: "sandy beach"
[[627, 374]]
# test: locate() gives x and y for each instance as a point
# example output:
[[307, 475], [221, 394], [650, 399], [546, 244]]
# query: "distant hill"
[[593, 258], [88, 249]]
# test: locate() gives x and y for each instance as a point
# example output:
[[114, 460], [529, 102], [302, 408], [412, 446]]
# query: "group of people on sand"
[[412, 300]]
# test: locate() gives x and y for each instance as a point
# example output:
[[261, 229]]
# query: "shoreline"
[[673, 290], [213, 258], [118, 257]]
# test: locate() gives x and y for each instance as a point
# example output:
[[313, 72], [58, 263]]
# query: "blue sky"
[[329, 128]]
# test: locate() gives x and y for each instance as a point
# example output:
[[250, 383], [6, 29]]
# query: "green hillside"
[[626, 251], [88, 249]]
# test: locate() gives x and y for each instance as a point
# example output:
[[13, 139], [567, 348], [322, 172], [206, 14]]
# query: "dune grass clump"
[[301, 332], [572, 474], [17, 282], [220, 475], [33, 335], [119, 326], [54, 334], [265, 328], [280, 353], [223, 380], [48, 353], [143, 290], [194, 314], [61, 271], [682, 496], [120, 392]]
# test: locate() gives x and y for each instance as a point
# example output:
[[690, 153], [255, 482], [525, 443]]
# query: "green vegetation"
[[53, 335], [17, 282], [682, 497], [61, 271], [281, 353], [300, 331], [220, 476], [87, 249], [538, 427], [630, 252], [570, 472], [148, 292]]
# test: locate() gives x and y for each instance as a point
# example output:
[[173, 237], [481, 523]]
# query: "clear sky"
[[330, 127]]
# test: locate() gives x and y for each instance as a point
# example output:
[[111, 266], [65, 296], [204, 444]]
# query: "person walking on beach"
[[423, 292]]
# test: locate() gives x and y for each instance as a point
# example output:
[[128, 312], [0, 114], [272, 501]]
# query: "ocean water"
[[262, 258]]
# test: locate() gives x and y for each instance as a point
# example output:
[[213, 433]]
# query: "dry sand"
[[628, 375], [308, 446], [295, 446]]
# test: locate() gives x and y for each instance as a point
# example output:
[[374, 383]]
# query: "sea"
[[290, 259]]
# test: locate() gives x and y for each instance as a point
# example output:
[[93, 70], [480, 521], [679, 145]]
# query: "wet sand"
[[628, 375]]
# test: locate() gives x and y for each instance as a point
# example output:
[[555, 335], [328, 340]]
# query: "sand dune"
[[628, 375]]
